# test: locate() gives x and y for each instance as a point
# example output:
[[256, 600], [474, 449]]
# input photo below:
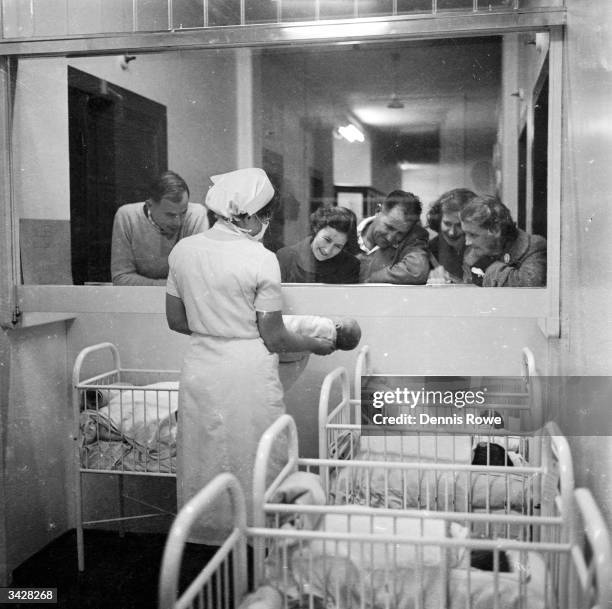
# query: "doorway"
[[117, 146]]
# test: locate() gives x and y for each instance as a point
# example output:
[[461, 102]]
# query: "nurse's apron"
[[229, 395]]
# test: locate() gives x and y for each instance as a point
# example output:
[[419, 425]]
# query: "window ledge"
[[34, 318]]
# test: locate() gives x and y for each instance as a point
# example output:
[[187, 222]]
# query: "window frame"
[[350, 30]]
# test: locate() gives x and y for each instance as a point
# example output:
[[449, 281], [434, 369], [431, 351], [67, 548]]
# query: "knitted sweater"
[[139, 254]]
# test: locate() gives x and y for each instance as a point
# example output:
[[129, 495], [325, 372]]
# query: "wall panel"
[[585, 347], [38, 440]]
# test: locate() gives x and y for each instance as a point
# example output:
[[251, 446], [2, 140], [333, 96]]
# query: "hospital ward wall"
[[585, 347], [36, 426], [197, 148], [410, 329]]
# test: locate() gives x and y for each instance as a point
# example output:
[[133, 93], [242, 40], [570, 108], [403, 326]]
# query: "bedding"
[[345, 574], [526, 585], [380, 486], [123, 456], [444, 448], [375, 575], [133, 429], [299, 488], [265, 597]]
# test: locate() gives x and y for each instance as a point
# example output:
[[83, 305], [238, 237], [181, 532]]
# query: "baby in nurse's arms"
[[345, 332]]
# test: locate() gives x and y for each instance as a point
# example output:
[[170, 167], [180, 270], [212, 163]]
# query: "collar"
[[229, 228], [151, 221], [361, 229], [225, 226], [515, 250]]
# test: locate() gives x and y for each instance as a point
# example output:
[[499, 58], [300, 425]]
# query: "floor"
[[120, 573]]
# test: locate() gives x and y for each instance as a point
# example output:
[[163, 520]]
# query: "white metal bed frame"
[[114, 377], [344, 416], [587, 554], [555, 504]]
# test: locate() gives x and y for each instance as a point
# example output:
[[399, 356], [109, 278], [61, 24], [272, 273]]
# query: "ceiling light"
[[406, 166], [395, 103]]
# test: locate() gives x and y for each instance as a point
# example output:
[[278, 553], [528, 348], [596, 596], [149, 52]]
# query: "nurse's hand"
[[322, 346]]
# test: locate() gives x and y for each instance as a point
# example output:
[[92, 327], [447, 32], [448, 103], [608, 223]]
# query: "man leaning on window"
[[394, 245], [144, 233]]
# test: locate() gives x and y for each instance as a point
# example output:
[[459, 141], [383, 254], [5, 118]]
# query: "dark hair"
[[267, 211], [490, 213], [411, 204], [168, 185], [452, 201], [339, 218]]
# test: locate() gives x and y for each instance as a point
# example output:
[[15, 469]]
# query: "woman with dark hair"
[[326, 255], [448, 246], [499, 253]]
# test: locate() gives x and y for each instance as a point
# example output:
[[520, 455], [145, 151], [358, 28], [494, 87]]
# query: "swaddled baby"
[[345, 332]]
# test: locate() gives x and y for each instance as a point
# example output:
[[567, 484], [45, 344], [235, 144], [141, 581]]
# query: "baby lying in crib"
[[345, 332]]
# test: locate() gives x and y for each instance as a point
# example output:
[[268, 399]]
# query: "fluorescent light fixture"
[[405, 165], [350, 133], [395, 103]]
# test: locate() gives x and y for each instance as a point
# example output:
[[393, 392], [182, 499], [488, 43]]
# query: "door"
[[118, 145]]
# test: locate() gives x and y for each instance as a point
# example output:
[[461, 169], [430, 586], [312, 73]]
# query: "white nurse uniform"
[[229, 387]]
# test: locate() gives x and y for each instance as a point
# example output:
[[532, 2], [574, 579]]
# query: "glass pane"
[[188, 13], [151, 15], [369, 8], [261, 11], [223, 12], [337, 9], [449, 5], [413, 6], [298, 10], [491, 4], [331, 125]]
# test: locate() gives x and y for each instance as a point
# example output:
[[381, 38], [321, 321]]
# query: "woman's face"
[[450, 226], [327, 243]]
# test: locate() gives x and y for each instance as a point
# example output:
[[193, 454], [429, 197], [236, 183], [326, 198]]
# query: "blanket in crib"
[[446, 448], [380, 486], [134, 431], [348, 573]]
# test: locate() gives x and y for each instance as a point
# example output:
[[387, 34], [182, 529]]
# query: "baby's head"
[[348, 334]]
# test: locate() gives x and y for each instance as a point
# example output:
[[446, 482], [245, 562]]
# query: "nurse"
[[224, 291]]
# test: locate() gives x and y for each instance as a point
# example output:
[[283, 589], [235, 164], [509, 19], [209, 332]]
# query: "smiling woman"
[[326, 256]]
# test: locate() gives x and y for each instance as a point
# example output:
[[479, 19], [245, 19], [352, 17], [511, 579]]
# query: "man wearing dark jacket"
[[394, 245]]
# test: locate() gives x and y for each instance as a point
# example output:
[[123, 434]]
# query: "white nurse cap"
[[244, 191]]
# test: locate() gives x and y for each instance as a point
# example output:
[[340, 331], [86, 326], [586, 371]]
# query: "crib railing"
[[102, 442], [300, 563]]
